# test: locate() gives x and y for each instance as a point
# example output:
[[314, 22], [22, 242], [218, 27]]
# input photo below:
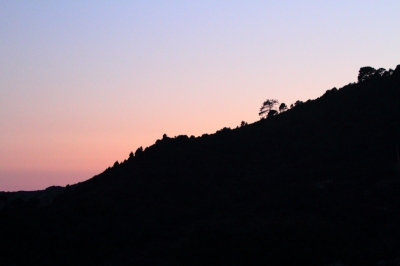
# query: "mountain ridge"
[[316, 184]]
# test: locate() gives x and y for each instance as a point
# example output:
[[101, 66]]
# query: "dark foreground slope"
[[317, 184]]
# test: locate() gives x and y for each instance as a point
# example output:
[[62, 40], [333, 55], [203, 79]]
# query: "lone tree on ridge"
[[267, 107], [283, 107]]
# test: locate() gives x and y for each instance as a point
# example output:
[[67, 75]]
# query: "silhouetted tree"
[[181, 137], [396, 71], [283, 107], [272, 113], [139, 151], [365, 73], [330, 92], [388, 73], [298, 102], [267, 106], [380, 72], [243, 123]]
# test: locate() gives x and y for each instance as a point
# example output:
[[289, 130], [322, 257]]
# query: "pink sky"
[[82, 84]]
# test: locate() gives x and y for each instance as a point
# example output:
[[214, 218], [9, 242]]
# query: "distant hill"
[[314, 185], [33, 198]]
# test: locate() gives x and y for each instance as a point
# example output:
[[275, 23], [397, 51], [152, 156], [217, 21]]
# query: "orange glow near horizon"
[[84, 84]]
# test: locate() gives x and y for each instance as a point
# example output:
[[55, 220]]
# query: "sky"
[[84, 83]]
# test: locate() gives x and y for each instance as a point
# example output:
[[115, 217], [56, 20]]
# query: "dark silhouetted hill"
[[314, 185]]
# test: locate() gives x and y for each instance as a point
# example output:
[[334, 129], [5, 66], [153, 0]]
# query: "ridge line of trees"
[[268, 107]]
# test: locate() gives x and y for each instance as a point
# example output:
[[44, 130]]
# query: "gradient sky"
[[83, 83]]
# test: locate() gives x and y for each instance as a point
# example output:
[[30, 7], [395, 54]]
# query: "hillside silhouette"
[[316, 184]]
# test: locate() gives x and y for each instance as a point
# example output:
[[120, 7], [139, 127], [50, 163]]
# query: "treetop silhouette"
[[267, 107]]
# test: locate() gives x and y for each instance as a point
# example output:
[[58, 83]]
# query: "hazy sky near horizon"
[[83, 83]]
